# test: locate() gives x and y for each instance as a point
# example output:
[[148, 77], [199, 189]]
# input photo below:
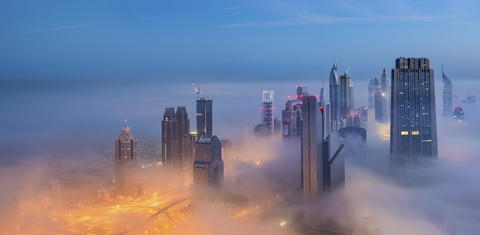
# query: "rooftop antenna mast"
[[196, 90]]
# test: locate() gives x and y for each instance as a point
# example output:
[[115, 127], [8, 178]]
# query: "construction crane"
[[196, 90], [348, 68]]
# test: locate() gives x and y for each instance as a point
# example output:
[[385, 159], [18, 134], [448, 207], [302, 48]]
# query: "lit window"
[[415, 133], [404, 132]]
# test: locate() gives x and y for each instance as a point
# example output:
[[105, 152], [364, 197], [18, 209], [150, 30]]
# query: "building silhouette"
[[126, 157], [447, 95], [204, 117], [208, 165], [334, 88], [381, 107], [413, 126]]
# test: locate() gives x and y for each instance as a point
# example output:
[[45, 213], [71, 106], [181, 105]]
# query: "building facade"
[[266, 108], [208, 168], [334, 95], [413, 126]]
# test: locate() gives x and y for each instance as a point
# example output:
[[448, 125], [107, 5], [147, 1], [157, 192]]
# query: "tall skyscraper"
[[334, 84], [170, 139], [126, 156], [363, 114], [413, 126], [327, 116], [301, 90], [385, 95], [208, 165], [185, 154], [346, 96], [319, 173], [447, 95], [311, 149], [204, 117], [267, 110], [176, 143], [373, 86], [381, 107]]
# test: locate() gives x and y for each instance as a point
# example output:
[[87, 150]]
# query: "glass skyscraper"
[[413, 126], [204, 117]]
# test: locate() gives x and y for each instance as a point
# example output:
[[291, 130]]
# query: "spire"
[[442, 69], [384, 73], [125, 122]]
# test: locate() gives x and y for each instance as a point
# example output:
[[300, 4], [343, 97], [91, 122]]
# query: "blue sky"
[[232, 40]]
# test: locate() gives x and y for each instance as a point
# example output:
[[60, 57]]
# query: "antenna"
[[442, 68], [196, 90], [125, 122], [348, 68]]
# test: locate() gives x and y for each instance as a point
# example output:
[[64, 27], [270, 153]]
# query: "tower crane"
[[348, 68], [196, 90]]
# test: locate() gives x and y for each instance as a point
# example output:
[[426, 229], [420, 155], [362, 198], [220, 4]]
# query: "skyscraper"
[[334, 84], [346, 96], [170, 139], [126, 156], [363, 114], [208, 165], [311, 149], [381, 107], [413, 126], [176, 143], [447, 95], [373, 86], [319, 173], [292, 116], [185, 154], [267, 110], [385, 96], [204, 117]]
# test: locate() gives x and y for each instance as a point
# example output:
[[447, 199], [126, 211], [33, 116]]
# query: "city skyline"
[[362, 151]]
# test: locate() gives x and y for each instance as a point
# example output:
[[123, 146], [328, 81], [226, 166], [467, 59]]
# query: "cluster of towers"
[[184, 153]]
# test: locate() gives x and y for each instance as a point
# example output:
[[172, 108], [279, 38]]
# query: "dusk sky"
[[231, 40]]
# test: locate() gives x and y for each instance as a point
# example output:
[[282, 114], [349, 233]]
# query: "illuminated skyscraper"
[[380, 107], [267, 110], [204, 117], [334, 84], [447, 95], [208, 165], [126, 156], [413, 126]]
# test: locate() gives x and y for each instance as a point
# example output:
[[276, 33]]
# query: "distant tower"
[[334, 84], [292, 115], [447, 95], [413, 126], [267, 110], [363, 114], [208, 165], [373, 86], [126, 156], [385, 95], [346, 91], [204, 117], [57, 195], [380, 107]]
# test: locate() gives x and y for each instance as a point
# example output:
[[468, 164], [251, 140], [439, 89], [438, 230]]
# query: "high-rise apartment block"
[[413, 126], [126, 157]]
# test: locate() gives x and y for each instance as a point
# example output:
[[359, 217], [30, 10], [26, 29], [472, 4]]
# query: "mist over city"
[[270, 117]]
